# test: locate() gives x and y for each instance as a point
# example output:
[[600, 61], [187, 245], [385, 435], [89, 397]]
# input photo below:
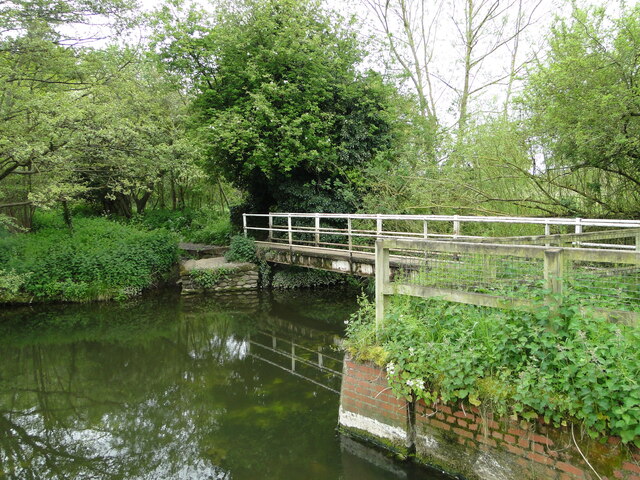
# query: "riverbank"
[[564, 368], [98, 259]]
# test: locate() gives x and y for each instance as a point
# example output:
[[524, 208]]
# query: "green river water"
[[167, 387]]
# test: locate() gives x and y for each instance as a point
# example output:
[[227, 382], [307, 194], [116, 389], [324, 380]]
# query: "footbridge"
[[507, 262]]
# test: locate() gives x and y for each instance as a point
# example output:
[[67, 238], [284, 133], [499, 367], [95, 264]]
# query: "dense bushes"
[[565, 365], [101, 259], [200, 226]]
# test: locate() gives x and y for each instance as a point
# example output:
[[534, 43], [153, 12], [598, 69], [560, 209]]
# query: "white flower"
[[391, 368]]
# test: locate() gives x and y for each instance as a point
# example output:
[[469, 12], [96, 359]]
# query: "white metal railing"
[[318, 229]]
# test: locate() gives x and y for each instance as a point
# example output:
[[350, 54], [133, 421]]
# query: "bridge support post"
[[578, 230], [382, 278], [317, 229], [244, 223]]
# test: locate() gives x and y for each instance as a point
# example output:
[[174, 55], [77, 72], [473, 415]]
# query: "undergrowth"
[[241, 249], [100, 259], [565, 365], [199, 226]]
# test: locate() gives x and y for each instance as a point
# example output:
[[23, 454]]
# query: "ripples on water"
[[239, 387]]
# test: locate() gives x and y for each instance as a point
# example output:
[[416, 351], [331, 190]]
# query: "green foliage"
[[210, 278], [563, 365], [241, 249], [298, 277], [200, 226], [101, 259], [583, 107], [285, 113], [11, 284]]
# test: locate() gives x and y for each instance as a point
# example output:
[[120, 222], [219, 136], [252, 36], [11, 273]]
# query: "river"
[[167, 387]]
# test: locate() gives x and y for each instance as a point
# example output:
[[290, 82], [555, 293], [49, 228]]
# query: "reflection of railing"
[[326, 367], [358, 232], [510, 276]]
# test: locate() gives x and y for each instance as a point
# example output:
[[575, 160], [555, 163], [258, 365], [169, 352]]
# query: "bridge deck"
[[332, 259]]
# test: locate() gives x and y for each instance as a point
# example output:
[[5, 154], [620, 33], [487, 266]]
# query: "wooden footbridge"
[[523, 261]]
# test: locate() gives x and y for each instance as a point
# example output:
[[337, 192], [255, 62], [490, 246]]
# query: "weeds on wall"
[[297, 277], [210, 278], [566, 365]]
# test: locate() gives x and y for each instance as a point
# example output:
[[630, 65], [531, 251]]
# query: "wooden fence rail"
[[511, 276]]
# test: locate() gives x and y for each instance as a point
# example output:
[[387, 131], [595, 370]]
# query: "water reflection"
[[209, 388]]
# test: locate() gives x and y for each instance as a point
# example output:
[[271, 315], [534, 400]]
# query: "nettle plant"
[[564, 364]]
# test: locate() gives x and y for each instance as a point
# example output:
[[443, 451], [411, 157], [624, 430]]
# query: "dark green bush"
[[293, 277], [241, 249], [101, 259], [566, 365]]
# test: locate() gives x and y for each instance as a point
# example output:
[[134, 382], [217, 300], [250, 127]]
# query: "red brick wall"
[[462, 439], [365, 391]]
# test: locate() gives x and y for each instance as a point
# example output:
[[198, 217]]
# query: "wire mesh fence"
[[513, 276]]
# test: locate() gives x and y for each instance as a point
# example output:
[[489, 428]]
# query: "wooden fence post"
[[425, 229], [350, 238], [244, 223], [382, 278], [553, 272], [270, 227], [317, 229], [289, 227]]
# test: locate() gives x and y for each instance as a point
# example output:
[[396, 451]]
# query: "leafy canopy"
[[585, 111], [284, 111]]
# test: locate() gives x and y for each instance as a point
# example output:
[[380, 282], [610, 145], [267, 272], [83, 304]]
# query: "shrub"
[[241, 249], [101, 259]]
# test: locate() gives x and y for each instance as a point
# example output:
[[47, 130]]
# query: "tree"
[[584, 114], [283, 109], [105, 124], [449, 72], [41, 77]]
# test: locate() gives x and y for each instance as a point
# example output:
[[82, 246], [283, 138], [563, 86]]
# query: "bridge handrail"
[[625, 229], [586, 222]]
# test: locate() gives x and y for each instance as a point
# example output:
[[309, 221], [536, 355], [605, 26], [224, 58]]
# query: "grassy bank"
[[99, 260], [564, 365]]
